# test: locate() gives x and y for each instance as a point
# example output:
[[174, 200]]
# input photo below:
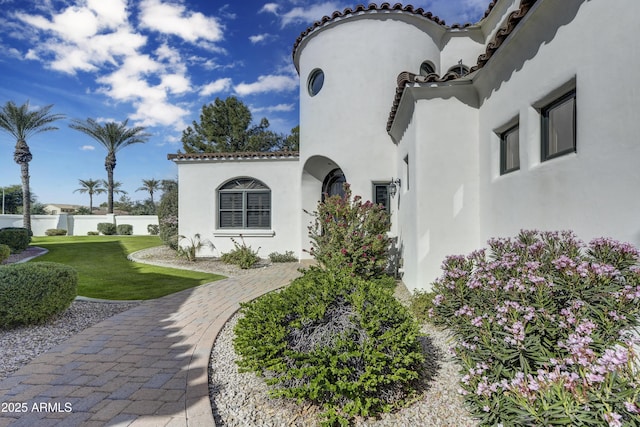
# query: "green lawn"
[[104, 271]]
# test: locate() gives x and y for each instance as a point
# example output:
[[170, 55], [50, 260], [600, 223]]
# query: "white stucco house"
[[529, 118]]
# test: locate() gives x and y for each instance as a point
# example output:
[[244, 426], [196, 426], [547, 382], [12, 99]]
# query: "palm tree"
[[22, 124], [117, 186], [114, 137], [91, 186], [151, 186]]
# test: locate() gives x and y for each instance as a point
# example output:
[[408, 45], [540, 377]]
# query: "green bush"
[[168, 217], [5, 251], [350, 234], [93, 233], [107, 228], [125, 229], [544, 325], [153, 229], [242, 255], [56, 232], [288, 256], [17, 238], [421, 303], [335, 340], [32, 292]]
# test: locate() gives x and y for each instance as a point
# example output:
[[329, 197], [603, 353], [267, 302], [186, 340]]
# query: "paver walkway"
[[147, 366]]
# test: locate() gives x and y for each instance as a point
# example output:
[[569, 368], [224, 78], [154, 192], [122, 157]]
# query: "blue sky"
[[154, 62]]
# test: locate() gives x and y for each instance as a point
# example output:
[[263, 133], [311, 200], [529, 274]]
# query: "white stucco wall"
[[439, 204], [594, 191], [198, 185]]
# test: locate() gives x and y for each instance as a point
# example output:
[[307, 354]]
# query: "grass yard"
[[104, 271]]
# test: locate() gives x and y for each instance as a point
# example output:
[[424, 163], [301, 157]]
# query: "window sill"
[[244, 233]]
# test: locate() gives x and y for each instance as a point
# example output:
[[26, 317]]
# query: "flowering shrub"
[[543, 325], [350, 235]]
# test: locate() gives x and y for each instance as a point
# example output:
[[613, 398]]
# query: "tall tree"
[[151, 186], [21, 123], [90, 186], [292, 142], [225, 126], [113, 137]]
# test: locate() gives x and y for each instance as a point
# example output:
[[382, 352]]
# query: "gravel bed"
[[19, 345], [242, 399]]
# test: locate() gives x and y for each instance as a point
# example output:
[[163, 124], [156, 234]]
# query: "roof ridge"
[[501, 35]]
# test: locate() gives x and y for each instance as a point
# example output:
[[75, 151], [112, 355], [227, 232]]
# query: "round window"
[[316, 80]]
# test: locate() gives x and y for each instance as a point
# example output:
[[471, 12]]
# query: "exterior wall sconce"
[[393, 186]]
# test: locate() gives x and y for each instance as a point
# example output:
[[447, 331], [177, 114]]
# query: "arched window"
[[460, 69], [426, 68], [244, 203], [333, 183]]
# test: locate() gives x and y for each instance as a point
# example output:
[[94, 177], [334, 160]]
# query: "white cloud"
[[87, 148], [270, 8], [259, 38], [273, 108], [268, 84], [308, 14], [220, 85], [174, 19]]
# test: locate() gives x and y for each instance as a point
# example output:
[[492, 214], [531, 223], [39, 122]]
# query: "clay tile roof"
[[359, 9], [511, 23], [241, 155]]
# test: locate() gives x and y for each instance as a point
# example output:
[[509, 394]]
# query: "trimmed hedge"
[[124, 229], [56, 232], [336, 340], [17, 238], [32, 292], [107, 228], [5, 251]]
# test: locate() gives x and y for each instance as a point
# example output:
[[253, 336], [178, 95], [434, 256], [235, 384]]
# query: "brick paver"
[[147, 366]]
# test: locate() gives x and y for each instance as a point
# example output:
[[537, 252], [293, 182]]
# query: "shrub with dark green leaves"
[[107, 228], [242, 255], [333, 339], [351, 234], [153, 229], [125, 229], [93, 233], [5, 251], [17, 238], [56, 232], [545, 329], [32, 292], [288, 256]]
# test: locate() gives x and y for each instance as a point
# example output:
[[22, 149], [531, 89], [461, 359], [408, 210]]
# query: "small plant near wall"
[[189, 247], [5, 252], [153, 229], [242, 255], [544, 327], [288, 256], [351, 234]]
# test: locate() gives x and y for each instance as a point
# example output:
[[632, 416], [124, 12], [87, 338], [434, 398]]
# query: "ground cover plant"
[[32, 292], [543, 327], [104, 271], [5, 252]]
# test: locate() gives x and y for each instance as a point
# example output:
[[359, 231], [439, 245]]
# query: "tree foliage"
[[21, 123], [225, 126], [113, 137]]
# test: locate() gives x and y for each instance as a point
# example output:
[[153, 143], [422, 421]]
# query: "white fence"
[[79, 225]]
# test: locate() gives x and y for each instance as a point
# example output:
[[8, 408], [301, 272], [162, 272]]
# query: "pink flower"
[[613, 419]]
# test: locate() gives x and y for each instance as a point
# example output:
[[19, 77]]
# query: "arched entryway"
[[333, 183]]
